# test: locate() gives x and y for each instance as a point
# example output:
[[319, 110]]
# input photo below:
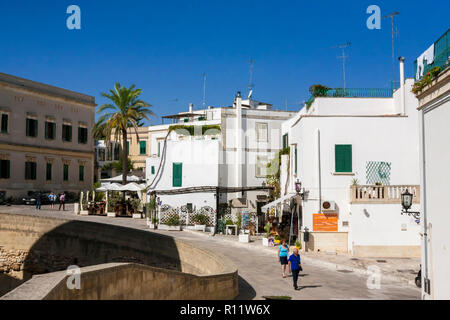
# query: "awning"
[[278, 201], [119, 179], [132, 187], [109, 187]]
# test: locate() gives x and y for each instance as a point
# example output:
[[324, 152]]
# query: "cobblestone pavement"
[[259, 270]]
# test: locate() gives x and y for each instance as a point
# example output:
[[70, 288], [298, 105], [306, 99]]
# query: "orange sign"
[[325, 222]]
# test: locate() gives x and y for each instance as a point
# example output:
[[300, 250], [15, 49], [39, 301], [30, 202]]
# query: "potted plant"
[[265, 240], [277, 239], [173, 223], [298, 245], [200, 221]]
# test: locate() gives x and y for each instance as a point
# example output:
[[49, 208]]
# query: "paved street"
[[259, 270]]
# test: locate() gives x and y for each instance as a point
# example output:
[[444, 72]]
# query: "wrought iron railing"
[[441, 55]]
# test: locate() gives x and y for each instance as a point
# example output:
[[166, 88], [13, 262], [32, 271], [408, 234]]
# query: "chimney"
[[191, 108], [402, 85]]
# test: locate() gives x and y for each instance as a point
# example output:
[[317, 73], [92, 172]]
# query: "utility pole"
[[343, 57], [394, 33], [250, 83], [204, 91]]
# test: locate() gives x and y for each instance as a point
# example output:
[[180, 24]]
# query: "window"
[[343, 158], [128, 148], [4, 123], [66, 172], [48, 172], [285, 141], [32, 128], [153, 169], [143, 147], [159, 149], [30, 170], [81, 173], [261, 166], [67, 133], [177, 174], [82, 135], [117, 151], [262, 132], [101, 154], [5, 169], [50, 130]]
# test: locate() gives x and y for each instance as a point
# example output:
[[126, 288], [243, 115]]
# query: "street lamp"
[[298, 187], [407, 201]]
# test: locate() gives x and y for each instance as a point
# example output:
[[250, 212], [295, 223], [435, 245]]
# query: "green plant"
[[277, 237], [355, 182], [155, 220], [173, 220], [229, 222], [239, 221], [200, 219], [267, 229], [318, 90], [426, 80], [298, 244]]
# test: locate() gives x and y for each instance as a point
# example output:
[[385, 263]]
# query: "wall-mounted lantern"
[[407, 201]]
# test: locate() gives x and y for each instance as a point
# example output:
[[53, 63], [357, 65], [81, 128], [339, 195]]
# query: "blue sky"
[[164, 47]]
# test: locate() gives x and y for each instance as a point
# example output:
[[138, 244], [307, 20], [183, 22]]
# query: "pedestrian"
[[295, 266], [62, 201], [38, 201], [283, 250], [52, 198]]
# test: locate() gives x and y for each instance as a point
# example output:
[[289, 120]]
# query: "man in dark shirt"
[[294, 266]]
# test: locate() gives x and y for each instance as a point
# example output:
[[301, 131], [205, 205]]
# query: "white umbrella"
[[132, 187]]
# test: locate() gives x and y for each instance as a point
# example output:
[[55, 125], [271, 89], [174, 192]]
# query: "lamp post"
[[407, 201]]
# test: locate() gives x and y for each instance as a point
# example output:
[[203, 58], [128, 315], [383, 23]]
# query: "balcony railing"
[[383, 194], [441, 55]]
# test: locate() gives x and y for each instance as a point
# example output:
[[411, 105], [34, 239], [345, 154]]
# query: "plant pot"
[[137, 216], [153, 226], [169, 228], [200, 227], [245, 238], [265, 242]]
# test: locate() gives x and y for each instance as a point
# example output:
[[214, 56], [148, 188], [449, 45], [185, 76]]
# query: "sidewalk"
[[403, 270]]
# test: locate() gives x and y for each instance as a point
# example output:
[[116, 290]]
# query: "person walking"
[[283, 250], [62, 201], [38, 201], [52, 198], [295, 266]]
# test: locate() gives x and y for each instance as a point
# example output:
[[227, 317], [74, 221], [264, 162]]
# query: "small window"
[[143, 147], [5, 169], [4, 123], [67, 133], [177, 174], [32, 128], [48, 172], [66, 172], [81, 173], [153, 169], [30, 170], [262, 133], [50, 130], [82, 135], [343, 158], [285, 141]]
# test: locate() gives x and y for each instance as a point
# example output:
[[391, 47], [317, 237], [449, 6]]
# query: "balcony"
[[370, 194], [441, 55]]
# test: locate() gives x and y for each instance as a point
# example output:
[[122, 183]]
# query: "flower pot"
[[200, 227], [169, 228], [245, 238]]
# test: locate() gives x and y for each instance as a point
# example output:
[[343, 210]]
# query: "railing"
[[383, 194], [354, 93], [441, 55]]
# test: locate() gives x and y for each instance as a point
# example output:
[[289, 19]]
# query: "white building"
[[232, 153], [358, 154], [434, 110], [104, 155]]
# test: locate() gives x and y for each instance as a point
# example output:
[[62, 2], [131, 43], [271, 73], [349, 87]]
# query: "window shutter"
[[81, 173], [4, 123], [47, 124], [33, 170], [153, 169], [343, 158], [49, 172], [79, 135], [70, 132], [53, 131], [177, 174], [8, 169], [28, 127]]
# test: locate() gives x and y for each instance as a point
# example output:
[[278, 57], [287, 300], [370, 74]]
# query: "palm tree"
[[126, 111]]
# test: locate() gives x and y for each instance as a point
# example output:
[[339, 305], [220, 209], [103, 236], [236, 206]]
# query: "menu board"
[[325, 222]]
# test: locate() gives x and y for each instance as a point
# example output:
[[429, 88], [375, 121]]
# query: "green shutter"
[[79, 135], [296, 160], [153, 169], [66, 172], [53, 131], [159, 149], [177, 174], [33, 171], [46, 130], [8, 169], [70, 133], [343, 158], [81, 173], [49, 172], [28, 127], [4, 123]]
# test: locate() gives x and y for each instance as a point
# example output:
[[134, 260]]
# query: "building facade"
[[45, 139], [434, 113], [350, 155]]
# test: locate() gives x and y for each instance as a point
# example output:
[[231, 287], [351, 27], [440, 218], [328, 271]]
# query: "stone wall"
[[33, 245]]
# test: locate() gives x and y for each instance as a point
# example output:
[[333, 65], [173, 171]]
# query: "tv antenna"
[[204, 91], [250, 83], [343, 57], [394, 33]]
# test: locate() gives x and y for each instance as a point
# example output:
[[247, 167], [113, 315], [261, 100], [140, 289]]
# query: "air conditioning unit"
[[328, 206]]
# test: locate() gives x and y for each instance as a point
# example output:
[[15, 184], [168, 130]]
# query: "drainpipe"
[[320, 171], [239, 161], [425, 275], [402, 85]]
